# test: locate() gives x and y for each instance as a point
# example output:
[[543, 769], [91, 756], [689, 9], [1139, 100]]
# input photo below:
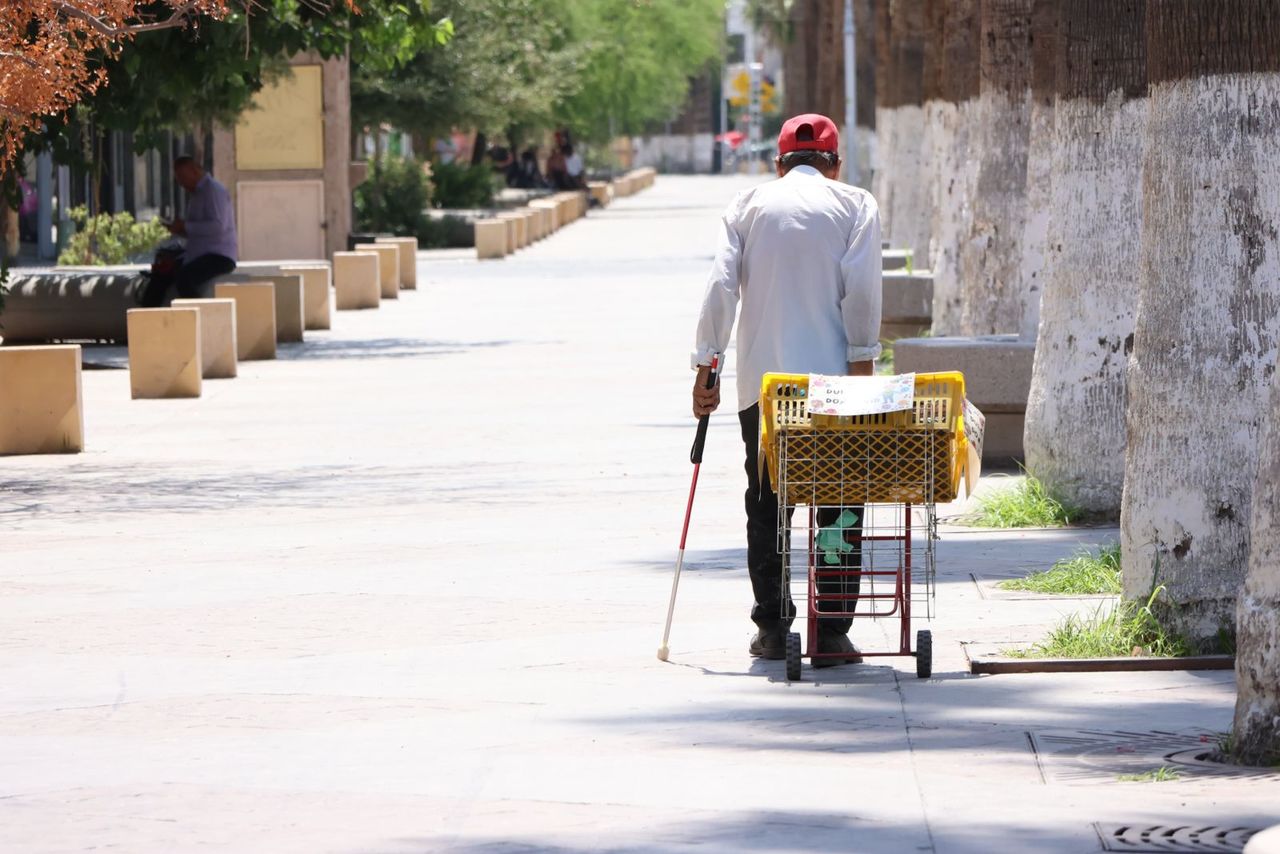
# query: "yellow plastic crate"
[[913, 456]]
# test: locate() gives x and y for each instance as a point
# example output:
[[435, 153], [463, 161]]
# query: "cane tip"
[[663, 652]]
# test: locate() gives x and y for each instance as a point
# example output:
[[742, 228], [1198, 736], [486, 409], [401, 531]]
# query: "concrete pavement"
[[400, 591]]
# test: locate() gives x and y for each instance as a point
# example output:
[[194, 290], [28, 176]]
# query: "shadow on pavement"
[[380, 348], [137, 488], [769, 831]]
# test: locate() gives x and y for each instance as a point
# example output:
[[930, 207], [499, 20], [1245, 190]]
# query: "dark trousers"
[[764, 558], [189, 279]]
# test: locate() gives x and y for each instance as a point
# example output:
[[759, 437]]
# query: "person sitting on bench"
[[210, 230]]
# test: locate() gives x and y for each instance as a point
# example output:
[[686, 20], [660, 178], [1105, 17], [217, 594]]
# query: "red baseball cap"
[[809, 132]]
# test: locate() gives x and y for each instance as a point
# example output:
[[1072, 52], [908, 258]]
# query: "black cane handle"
[[700, 440]]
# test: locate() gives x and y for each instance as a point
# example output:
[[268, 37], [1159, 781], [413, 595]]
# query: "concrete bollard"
[[41, 403], [521, 236], [356, 280], [562, 209], [289, 312], [547, 210], [601, 192], [164, 352], [288, 294], [255, 318], [491, 238], [408, 260], [388, 267], [315, 294], [217, 336], [532, 223]]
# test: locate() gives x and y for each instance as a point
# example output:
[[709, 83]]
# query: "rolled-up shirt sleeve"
[[860, 270], [720, 304]]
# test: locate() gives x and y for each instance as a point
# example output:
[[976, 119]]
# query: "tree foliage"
[[516, 66], [507, 66], [208, 70], [51, 52], [638, 57]]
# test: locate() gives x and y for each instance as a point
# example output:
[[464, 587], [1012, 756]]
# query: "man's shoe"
[[836, 644], [770, 645]]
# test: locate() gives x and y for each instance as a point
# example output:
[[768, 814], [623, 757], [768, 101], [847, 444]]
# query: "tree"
[[902, 184], [636, 61], [1208, 320], [49, 48], [990, 263], [1045, 44], [507, 66], [518, 66], [1075, 433], [212, 71], [1257, 720], [951, 130]]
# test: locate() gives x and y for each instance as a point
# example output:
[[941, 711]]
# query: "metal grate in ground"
[[1186, 838]]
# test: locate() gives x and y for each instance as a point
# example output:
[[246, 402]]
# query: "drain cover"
[[1097, 756], [1161, 837]]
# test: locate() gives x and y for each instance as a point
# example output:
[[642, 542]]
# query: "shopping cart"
[[870, 484]]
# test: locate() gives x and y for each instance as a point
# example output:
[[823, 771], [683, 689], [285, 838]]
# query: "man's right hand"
[[705, 400]]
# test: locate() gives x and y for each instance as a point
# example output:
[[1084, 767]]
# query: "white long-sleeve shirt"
[[802, 253]]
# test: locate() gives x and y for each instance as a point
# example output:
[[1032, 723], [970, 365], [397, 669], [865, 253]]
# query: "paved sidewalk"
[[400, 591]]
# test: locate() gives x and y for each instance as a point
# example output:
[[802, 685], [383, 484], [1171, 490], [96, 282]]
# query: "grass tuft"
[[1130, 628], [1027, 505], [1082, 574], [1163, 774]]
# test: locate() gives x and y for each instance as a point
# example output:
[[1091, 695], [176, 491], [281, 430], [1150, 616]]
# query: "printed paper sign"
[[860, 395]]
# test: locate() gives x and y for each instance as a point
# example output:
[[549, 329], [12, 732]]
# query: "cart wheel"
[[793, 657], [924, 654]]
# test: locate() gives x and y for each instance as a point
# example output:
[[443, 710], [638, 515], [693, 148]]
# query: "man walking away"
[[210, 230], [802, 255]]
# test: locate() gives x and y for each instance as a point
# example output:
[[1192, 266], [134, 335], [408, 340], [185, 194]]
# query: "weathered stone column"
[[1045, 18], [1208, 317], [951, 116], [1257, 723], [1075, 435], [901, 186], [990, 261]]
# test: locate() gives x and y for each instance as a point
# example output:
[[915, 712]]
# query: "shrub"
[[447, 232], [462, 186], [394, 198], [111, 239]]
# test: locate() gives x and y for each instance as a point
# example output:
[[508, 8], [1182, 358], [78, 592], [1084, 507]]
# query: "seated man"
[[210, 230]]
